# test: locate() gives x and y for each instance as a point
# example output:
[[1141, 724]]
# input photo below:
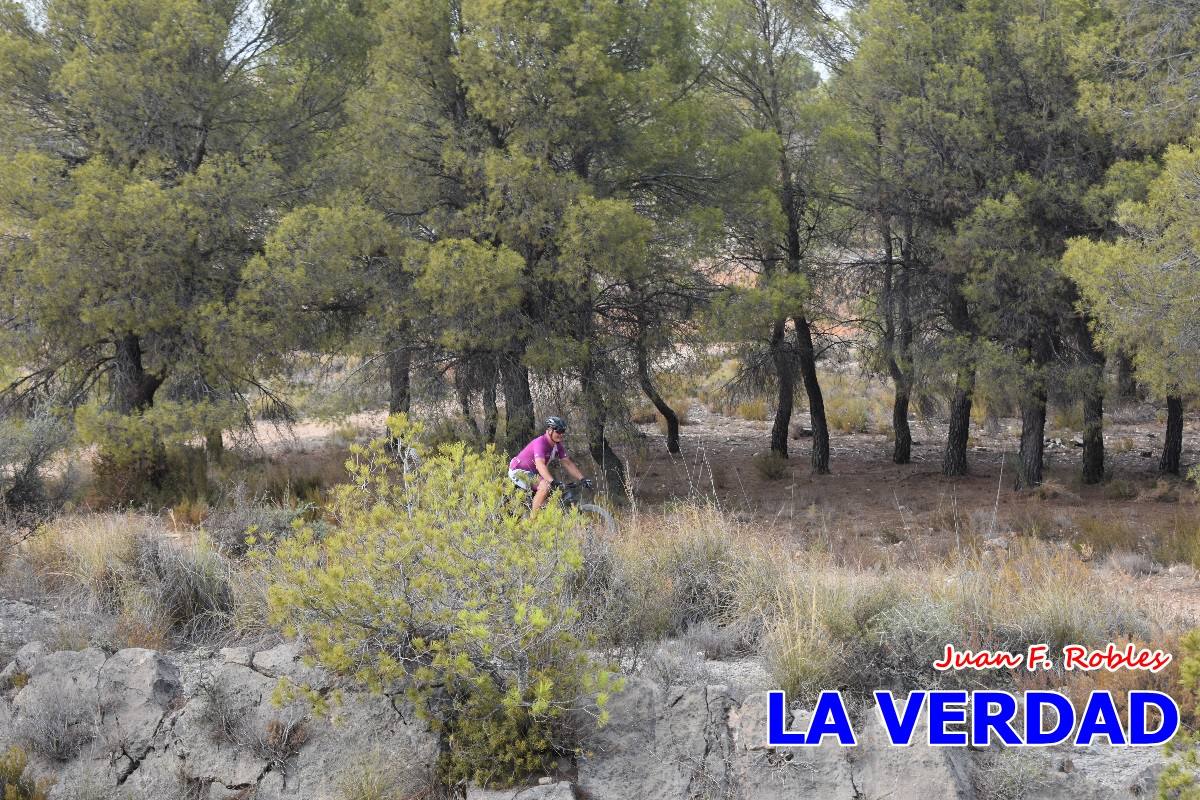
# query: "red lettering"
[[982, 659], [1073, 657], [1112, 659]]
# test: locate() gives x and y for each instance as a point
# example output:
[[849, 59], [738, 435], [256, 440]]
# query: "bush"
[[1179, 543], [27, 496], [755, 410], [670, 574], [13, 783], [847, 414], [772, 466], [1120, 489], [126, 564], [378, 776], [1103, 535], [829, 626], [58, 728], [241, 514], [26, 447], [187, 588], [1178, 781], [435, 577]]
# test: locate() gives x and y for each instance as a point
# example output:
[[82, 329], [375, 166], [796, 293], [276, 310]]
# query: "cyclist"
[[531, 467]]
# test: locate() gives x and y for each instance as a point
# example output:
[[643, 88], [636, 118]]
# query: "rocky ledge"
[[142, 724]]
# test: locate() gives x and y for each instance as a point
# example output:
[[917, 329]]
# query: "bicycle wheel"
[[600, 517]]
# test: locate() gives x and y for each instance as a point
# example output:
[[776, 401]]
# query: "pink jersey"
[[542, 448]]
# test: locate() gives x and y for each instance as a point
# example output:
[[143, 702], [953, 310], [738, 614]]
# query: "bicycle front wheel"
[[601, 519]]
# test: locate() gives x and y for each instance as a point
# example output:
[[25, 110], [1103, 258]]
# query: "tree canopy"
[[523, 199]]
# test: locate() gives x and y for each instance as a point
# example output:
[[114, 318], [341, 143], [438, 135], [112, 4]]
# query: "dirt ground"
[[866, 490], [869, 509]]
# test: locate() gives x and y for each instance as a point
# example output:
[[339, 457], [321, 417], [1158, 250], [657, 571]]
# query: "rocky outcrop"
[[208, 728], [700, 742], [131, 721]]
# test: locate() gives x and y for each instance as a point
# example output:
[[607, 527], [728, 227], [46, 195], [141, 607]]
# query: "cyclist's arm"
[[540, 465], [571, 468]]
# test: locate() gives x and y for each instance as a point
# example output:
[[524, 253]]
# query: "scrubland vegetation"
[[920, 240], [424, 575]]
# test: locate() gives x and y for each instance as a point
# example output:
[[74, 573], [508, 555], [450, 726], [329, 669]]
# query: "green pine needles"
[[434, 579]]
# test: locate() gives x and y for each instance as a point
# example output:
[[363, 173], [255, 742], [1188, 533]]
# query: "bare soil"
[[866, 490]]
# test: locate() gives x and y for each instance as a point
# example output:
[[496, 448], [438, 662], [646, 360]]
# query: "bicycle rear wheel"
[[601, 519]]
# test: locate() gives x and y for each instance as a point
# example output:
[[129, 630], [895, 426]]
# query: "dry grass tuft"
[[771, 466], [161, 589]]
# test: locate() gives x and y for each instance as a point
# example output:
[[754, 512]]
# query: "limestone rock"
[[559, 790], [22, 663], [285, 661], [656, 746], [136, 689]]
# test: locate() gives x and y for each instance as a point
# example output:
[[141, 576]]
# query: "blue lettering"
[[1138, 700], [1035, 732], [1100, 718], [777, 736], [940, 716], [899, 728], [829, 719], [984, 720]]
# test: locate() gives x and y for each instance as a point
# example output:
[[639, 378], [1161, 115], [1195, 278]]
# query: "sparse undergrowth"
[[818, 622], [14, 783], [161, 589]]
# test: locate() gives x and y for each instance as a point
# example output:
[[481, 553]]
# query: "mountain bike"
[[570, 495]]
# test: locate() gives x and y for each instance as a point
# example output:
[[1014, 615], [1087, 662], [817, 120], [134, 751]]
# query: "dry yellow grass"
[[819, 622]]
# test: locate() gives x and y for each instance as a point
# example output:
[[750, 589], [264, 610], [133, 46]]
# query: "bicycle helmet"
[[557, 423]]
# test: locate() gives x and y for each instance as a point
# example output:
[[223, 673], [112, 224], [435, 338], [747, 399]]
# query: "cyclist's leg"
[[525, 479], [543, 491]]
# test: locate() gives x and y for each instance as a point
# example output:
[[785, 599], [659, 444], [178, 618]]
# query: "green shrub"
[[1069, 417], [26, 448], [159, 588], [1178, 781], [1103, 535], [1180, 542], [13, 783], [435, 578], [1120, 489]]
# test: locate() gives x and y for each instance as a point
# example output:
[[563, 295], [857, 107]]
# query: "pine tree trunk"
[[519, 425], [132, 387], [1126, 383], [214, 444], [816, 403], [954, 463], [901, 361], [1093, 437], [902, 447], [1093, 408], [893, 303], [491, 415], [1033, 434], [609, 462], [399, 366], [786, 382], [133, 391], [651, 392], [602, 453], [1173, 442], [463, 390]]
